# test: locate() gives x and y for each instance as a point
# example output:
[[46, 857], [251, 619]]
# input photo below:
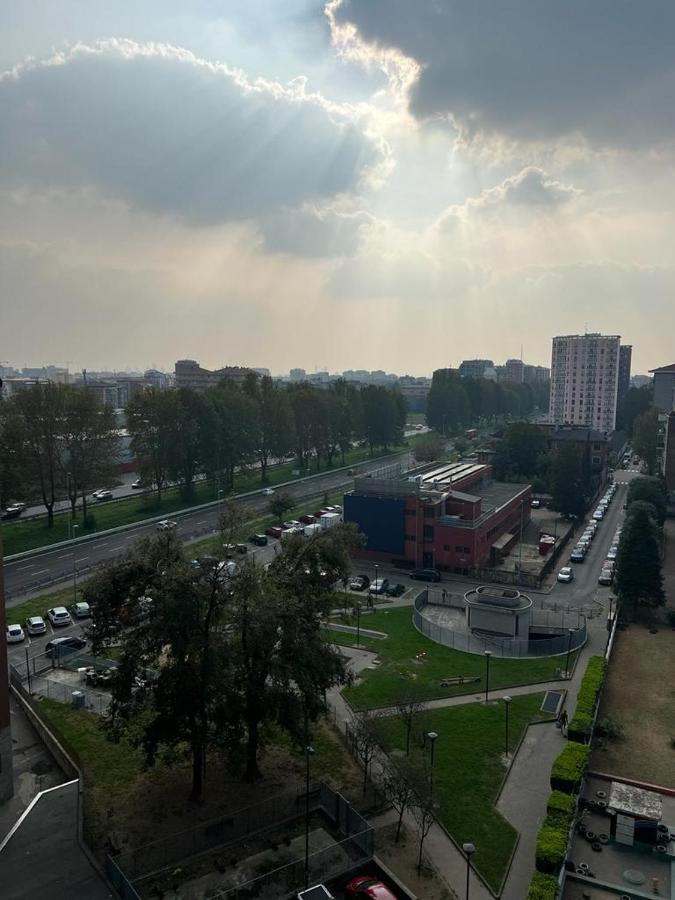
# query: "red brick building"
[[455, 518]]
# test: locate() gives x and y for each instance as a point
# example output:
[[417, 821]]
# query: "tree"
[[365, 741], [184, 449], [399, 779], [567, 482], [150, 421], [429, 447], [280, 504], [408, 710], [231, 521], [638, 574], [274, 421], [645, 433], [423, 810], [520, 451], [651, 490], [447, 403], [635, 402]]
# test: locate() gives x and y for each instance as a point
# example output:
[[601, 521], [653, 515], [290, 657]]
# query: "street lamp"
[[376, 585], [507, 703], [309, 750], [469, 850], [431, 736], [358, 621], [75, 527], [569, 650], [488, 654]]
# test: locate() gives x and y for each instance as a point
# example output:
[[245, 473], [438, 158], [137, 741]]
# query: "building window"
[[446, 546], [458, 549], [428, 512], [428, 532], [466, 549]]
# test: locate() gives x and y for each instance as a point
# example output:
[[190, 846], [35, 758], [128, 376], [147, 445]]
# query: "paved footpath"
[[523, 798]]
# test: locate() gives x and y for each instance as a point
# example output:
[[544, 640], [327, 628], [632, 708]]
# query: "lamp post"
[[376, 585], [569, 650], [309, 750], [469, 850], [488, 654], [358, 622], [507, 703], [75, 527], [431, 736]]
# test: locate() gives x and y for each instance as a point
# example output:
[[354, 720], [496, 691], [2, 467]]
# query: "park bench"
[[459, 679]]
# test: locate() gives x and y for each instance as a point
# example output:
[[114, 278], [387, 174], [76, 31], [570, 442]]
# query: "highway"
[[50, 567]]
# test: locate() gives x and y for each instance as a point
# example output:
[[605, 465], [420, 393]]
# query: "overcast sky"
[[395, 184]]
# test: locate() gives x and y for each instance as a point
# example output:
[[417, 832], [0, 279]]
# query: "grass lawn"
[[20, 536], [468, 771], [134, 805], [402, 673]]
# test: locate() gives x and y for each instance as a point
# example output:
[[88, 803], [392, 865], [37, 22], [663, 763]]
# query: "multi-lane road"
[[53, 566]]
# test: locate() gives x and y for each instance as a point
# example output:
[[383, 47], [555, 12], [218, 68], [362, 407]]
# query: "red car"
[[363, 886]]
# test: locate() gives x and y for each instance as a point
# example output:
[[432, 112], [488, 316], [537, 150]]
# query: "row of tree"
[[639, 578], [178, 435], [456, 402], [55, 441], [211, 660]]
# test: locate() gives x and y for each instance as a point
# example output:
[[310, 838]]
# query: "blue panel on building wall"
[[381, 519]]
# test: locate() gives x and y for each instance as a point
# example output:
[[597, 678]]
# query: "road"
[[54, 566]]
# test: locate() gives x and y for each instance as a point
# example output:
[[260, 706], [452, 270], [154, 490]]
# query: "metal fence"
[[62, 692], [119, 881], [509, 648]]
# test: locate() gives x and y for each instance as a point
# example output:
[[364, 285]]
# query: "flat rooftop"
[[494, 495]]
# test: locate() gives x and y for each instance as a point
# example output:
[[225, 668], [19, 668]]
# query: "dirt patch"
[[640, 695], [401, 858], [669, 563]]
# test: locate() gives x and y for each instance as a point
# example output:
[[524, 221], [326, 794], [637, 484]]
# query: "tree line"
[[58, 440], [456, 402], [639, 577]]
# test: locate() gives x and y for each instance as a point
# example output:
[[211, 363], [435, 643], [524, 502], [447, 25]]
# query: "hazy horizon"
[[351, 184]]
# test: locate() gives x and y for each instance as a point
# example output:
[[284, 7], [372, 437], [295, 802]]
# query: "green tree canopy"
[[645, 433], [568, 483], [638, 576], [651, 490]]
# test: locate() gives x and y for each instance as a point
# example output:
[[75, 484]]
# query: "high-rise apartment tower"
[[584, 380]]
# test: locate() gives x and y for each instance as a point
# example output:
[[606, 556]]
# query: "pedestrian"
[[564, 718]]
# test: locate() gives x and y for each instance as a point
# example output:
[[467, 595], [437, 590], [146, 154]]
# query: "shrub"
[[611, 729], [580, 726], [543, 887], [569, 767], [551, 846], [559, 803]]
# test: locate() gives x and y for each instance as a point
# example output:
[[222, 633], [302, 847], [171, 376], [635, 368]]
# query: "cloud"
[[526, 69], [168, 132], [333, 230]]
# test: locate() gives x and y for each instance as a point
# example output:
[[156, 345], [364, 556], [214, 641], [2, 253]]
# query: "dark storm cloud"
[[535, 69], [172, 134]]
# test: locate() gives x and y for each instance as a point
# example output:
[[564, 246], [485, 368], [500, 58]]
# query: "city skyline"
[[260, 183]]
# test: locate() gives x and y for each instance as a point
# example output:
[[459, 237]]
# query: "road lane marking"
[[42, 571], [115, 549], [23, 568]]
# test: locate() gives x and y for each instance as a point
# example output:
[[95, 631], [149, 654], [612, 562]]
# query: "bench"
[[459, 679]]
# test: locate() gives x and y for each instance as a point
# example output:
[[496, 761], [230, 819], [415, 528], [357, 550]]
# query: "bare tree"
[[231, 520], [399, 779], [424, 812], [408, 710], [365, 741]]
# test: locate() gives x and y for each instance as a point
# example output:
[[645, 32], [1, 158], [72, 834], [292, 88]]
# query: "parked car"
[[13, 511], [565, 574], [229, 549], [359, 583], [395, 590], [15, 634], [58, 616], [268, 492], [35, 625], [101, 495], [80, 610], [599, 515], [57, 646], [535, 504], [241, 548], [138, 485], [606, 577], [425, 574], [274, 531], [292, 523], [363, 886], [613, 552], [166, 525], [577, 555], [379, 586], [260, 540]]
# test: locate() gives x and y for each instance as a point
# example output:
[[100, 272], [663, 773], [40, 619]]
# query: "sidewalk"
[[524, 795]]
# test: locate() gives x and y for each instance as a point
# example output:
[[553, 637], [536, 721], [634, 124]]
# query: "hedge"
[[569, 767], [543, 887], [552, 845], [559, 803], [579, 728]]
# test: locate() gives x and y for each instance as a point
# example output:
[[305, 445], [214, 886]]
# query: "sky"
[[372, 184]]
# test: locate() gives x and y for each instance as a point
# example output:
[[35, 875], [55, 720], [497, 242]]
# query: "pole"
[[28, 671], [507, 703], [308, 752], [358, 623], [74, 566], [488, 654], [569, 650], [432, 738], [469, 849]]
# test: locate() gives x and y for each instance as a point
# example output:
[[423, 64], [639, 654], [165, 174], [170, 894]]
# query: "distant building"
[[415, 392], [664, 387], [12, 386], [514, 371], [625, 354], [536, 373], [47, 373], [264, 373], [453, 517], [640, 381], [155, 378], [593, 447], [189, 374], [298, 374], [475, 368], [584, 380]]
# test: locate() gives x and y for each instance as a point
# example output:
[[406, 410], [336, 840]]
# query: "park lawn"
[[20, 536], [404, 672], [469, 770]]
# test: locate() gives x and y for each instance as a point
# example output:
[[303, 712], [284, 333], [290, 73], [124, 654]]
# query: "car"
[[58, 616], [359, 583], [535, 504], [395, 590], [425, 574], [229, 549], [584, 542], [606, 577], [35, 625], [260, 540], [599, 515], [292, 523], [274, 531], [613, 552], [379, 586], [565, 574], [138, 485], [577, 555], [99, 496], [166, 525], [15, 634], [241, 548], [63, 645], [588, 535], [268, 492], [363, 886], [609, 564], [80, 610], [13, 511]]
